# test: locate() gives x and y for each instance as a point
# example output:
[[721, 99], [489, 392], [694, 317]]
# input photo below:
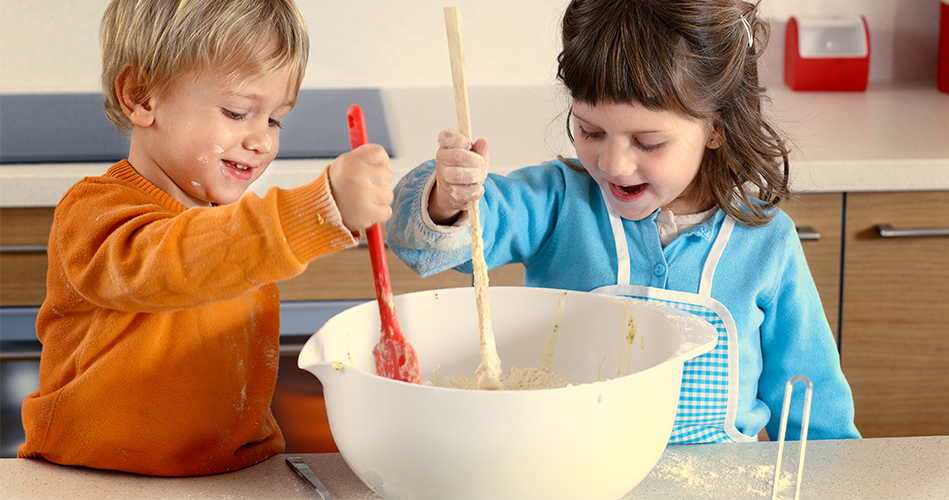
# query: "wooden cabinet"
[[347, 275], [23, 236], [895, 329]]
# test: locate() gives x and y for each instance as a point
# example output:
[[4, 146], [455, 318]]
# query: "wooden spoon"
[[395, 358], [489, 373]]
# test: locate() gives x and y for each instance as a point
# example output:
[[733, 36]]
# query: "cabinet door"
[[819, 218], [23, 236], [895, 330]]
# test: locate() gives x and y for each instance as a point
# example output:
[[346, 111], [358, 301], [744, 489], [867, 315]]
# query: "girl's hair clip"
[[744, 22]]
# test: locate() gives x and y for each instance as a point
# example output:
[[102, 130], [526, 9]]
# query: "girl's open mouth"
[[626, 193]]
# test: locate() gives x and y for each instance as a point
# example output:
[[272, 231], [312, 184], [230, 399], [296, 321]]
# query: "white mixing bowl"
[[598, 439]]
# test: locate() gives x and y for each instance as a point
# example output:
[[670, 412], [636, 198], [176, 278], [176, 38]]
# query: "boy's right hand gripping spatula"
[[394, 357]]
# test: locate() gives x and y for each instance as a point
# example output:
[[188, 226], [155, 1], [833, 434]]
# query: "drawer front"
[[896, 313], [23, 236]]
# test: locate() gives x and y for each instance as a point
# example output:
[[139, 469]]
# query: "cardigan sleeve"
[[796, 340], [519, 213]]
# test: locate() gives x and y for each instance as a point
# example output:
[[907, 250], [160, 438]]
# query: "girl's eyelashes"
[[589, 135], [646, 147], [275, 123]]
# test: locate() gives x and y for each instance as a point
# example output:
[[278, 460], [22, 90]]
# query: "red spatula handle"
[[357, 127], [377, 252]]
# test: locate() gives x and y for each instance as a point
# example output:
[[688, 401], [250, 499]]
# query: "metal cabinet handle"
[[22, 249], [888, 231], [20, 356], [807, 233]]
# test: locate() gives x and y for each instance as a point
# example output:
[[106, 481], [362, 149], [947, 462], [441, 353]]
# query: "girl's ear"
[[131, 90], [715, 138]]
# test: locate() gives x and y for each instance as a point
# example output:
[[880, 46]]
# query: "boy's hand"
[[460, 170], [361, 184]]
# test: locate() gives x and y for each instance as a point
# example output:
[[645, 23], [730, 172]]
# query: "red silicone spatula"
[[395, 358]]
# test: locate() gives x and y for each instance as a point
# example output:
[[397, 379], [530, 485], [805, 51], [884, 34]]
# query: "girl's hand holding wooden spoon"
[[460, 170]]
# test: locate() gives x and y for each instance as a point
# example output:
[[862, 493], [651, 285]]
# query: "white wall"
[[52, 45]]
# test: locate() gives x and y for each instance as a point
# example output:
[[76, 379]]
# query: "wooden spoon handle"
[[489, 373], [456, 55]]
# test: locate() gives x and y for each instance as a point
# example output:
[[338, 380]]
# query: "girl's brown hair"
[[161, 40], [694, 57]]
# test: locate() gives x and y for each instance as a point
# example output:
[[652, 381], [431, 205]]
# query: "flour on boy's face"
[[212, 138]]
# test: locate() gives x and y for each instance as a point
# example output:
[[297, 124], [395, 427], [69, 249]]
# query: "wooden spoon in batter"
[[489, 373]]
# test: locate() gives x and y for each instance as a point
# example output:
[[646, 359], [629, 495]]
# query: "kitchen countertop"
[[866, 469], [890, 138]]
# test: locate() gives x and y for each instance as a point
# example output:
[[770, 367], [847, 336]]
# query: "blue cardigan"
[[553, 219]]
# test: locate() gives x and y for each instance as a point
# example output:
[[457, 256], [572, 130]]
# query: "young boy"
[[160, 325]]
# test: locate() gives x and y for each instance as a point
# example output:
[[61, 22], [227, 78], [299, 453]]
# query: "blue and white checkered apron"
[[709, 394]]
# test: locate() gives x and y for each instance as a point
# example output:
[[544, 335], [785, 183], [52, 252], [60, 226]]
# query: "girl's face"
[[641, 158], [209, 139]]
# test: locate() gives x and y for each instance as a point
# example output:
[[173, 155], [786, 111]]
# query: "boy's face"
[[210, 138], [643, 159]]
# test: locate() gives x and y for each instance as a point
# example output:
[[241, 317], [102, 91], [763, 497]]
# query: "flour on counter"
[[729, 480]]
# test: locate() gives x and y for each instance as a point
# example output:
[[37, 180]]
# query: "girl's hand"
[[361, 184], [460, 170]]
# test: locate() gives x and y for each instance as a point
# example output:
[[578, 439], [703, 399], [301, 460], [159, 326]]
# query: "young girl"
[[673, 197], [160, 327]]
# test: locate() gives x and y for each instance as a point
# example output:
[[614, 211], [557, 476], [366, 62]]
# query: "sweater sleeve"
[[423, 246], [123, 249], [518, 215], [796, 339]]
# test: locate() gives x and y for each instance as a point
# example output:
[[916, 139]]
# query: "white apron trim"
[[622, 249], [711, 262]]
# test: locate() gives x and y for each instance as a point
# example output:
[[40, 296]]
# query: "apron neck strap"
[[622, 251], [711, 262]]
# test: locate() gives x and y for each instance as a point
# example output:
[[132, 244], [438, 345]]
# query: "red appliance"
[[827, 54]]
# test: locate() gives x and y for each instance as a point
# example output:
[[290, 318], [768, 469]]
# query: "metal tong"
[[805, 423]]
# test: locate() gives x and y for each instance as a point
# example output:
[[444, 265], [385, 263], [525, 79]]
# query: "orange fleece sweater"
[[160, 327]]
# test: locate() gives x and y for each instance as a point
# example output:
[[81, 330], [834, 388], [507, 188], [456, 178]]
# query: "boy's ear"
[[131, 90]]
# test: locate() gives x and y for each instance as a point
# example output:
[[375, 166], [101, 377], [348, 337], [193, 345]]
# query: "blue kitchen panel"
[[72, 128], [58, 128], [18, 324]]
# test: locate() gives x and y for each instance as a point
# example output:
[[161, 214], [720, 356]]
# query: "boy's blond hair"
[[161, 40]]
